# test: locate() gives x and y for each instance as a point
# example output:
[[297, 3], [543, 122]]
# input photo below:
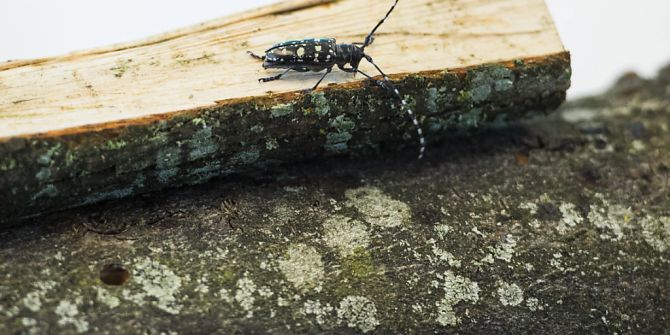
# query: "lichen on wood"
[[112, 161]]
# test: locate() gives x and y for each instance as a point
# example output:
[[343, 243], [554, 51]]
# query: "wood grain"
[[198, 66]]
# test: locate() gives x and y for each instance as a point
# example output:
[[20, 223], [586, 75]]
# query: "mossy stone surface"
[[555, 225]]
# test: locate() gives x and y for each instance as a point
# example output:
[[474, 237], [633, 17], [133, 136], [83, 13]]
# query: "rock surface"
[[556, 225]]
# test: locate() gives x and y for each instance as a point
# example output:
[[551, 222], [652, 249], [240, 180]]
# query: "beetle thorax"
[[349, 54]]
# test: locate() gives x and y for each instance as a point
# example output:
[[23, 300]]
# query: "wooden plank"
[[185, 106]]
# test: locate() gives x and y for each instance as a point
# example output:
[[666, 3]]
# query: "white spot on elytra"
[[300, 52], [317, 48]]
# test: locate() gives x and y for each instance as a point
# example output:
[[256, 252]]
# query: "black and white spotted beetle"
[[320, 54]]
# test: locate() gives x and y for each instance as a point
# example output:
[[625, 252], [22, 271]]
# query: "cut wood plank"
[[197, 67], [186, 106]]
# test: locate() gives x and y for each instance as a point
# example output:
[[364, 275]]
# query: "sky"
[[605, 37]]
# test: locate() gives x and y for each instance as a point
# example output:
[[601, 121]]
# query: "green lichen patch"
[[337, 142], [488, 80], [320, 103], [116, 145], [202, 144], [246, 157], [342, 124], [281, 110], [271, 144], [358, 264], [7, 164]]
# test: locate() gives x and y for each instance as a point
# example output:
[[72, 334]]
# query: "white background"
[[606, 37]]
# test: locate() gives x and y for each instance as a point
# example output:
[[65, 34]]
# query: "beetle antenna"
[[388, 85], [369, 39]]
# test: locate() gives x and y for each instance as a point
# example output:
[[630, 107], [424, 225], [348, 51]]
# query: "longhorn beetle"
[[318, 54]]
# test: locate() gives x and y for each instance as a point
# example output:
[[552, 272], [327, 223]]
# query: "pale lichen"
[[504, 250], [457, 289], [302, 266], [158, 285], [441, 255], [358, 312], [33, 300], [68, 313], [509, 294], [656, 232], [202, 144], [106, 298], [529, 206], [345, 234], [321, 312], [442, 229], [533, 304], [570, 217], [378, 208], [245, 294], [610, 219]]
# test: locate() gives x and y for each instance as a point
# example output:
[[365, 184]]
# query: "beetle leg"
[[256, 56], [273, 78], [322, 77]]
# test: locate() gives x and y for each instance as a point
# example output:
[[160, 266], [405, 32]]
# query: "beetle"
[[318, 54]]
